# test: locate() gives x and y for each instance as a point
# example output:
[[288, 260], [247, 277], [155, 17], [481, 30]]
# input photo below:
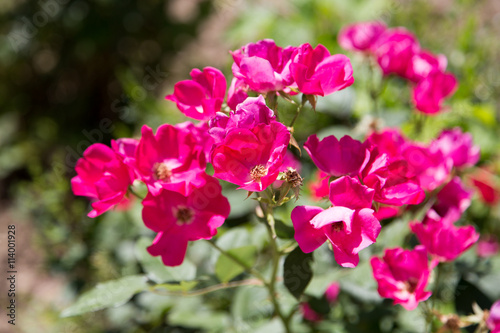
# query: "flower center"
[[184, 215], [258, 172], [162, 171], [411, 285], [338, 226]]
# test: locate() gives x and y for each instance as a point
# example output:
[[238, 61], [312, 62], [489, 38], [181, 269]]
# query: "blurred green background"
[[76, 72]]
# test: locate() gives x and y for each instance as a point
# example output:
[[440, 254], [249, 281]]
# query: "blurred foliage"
[[77, 72]]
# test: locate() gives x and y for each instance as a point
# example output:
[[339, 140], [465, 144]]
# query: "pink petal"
[[308, 237], [171, 247], [332, 215], [348, 192]]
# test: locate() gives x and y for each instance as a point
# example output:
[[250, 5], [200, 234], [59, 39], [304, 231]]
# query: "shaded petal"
[[171, 247]]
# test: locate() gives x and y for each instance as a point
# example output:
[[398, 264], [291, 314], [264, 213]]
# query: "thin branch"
[[216, 287]]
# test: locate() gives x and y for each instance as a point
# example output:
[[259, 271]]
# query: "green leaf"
[[282, 230], [157, 271], [226, 268], [297, 271], [251, 305], [393, 234], [108, 294], [189, 312], [239, 205]]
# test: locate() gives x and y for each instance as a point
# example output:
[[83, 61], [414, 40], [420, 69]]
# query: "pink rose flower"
[[349, 225], [493, 321], [394, 51], [201, 97], [424, 63], [457, 146], [316, 72], [170, 159], [402, 275], [487, 246], [251, 158], [430, 92], [361, 36], [179, 218], [103, 177], [263, 66], [444, 241], [337, 158]]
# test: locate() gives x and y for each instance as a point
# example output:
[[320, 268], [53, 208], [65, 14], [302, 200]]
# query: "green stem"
[[428, 316], [276, 259], [419, 125], [203, 291], [271, 223], [299, 108], [374, 90], [247, 268], [439, 277], [269, 212]]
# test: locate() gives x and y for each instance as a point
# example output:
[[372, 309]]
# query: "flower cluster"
[[437, 232], [382, 175], [246, 146], [398, 52], [183, 203], [250, 145], [432, 166], [364, 182], [264, 68]]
